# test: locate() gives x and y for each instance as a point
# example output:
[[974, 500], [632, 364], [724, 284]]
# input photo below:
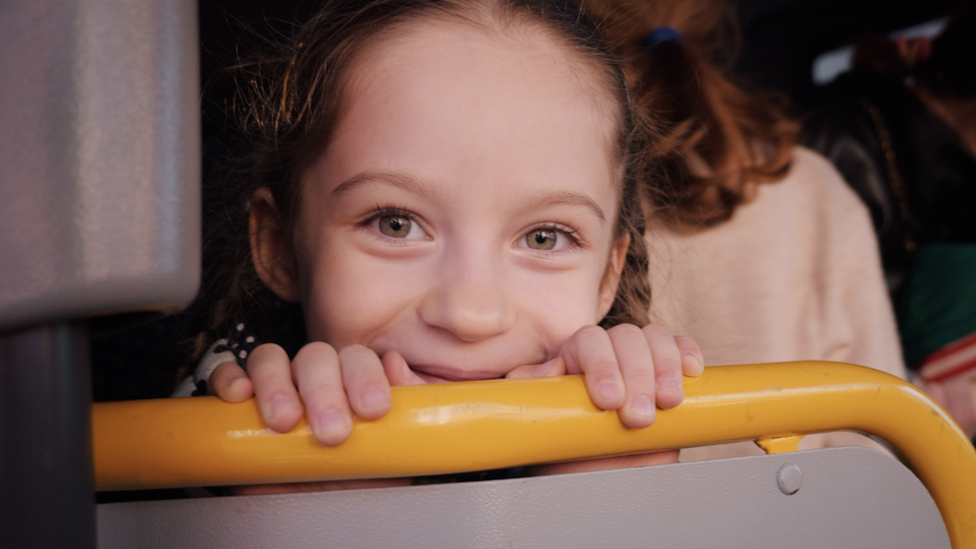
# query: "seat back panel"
[[848, 497]]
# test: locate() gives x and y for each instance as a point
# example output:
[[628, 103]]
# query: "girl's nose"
[[472, 301]]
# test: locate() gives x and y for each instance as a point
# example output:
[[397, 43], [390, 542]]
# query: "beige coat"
[[794, 275]]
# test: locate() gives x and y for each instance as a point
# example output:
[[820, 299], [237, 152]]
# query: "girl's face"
[[463, 214]]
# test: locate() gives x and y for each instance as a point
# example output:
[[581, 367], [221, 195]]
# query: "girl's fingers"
[[270, 372], [549, 368], [365, 382], [230, 382], [318, 375], [637, 366], [692, 359], [667, 365], [590, 352], [398, 371]]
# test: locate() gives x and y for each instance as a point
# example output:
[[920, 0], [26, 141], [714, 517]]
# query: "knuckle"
[[356, 356], [656, 330], [626, 330], [588, 335], [318, 351], [265, 347], [603, 366], [322, 398], [313, 357], [361, 367], [258, 364], [643, 378], [317, 387], [222, 371], [323, 404], [666, 367], [354, 350], [265, 351], [268, 374], [686, 343]]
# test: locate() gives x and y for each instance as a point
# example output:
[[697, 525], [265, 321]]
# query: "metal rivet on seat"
[[789, 479]]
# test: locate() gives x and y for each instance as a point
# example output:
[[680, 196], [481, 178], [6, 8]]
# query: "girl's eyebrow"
[[565, 198], [409, 184], [396, 179]]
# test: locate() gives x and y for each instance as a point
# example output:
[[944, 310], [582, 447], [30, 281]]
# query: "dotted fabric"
[[236, 347]]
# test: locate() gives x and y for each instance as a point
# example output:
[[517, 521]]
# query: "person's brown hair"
[[718, 139], [288, 106]]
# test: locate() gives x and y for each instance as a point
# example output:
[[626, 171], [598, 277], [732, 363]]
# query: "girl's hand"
[[332, 385], [629, 369], [626, 368]]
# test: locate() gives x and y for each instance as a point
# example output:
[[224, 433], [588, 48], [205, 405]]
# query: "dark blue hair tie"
[[661, 34]]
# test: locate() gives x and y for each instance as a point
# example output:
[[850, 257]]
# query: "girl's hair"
[[288, 105], [718, 139]]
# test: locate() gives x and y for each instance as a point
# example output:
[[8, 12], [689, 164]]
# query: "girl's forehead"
[[468, 93], [433, 47]]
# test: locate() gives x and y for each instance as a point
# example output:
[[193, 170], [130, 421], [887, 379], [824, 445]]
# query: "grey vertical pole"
[[99, 214], [46, 480]]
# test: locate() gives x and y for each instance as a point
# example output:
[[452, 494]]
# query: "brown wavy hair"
[[288, 105], [718, 139]]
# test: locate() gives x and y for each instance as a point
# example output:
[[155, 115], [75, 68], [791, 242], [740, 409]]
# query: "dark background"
[[780, 38]]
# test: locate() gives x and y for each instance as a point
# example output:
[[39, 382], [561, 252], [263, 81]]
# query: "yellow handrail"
[[472, 426]]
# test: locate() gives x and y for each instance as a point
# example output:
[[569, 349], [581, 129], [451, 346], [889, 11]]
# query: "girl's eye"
[[541, 239], [395, 226], [549, 239], [398, 226]]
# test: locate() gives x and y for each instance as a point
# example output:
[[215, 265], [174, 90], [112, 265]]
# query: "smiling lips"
[[422, 373]]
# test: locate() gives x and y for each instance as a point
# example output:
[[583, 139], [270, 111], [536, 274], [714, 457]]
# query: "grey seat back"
[[99, 158], [838, 498]]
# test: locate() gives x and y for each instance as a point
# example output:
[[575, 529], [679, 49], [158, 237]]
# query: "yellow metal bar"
[[780, 445], [454, 427]]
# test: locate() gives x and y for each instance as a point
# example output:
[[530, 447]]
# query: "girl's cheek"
[[355, 296], [564, 302]]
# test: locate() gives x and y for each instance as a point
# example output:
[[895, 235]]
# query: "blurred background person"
[[759, 250], [901, 128]]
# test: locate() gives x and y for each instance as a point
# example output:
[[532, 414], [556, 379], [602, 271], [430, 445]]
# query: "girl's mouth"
[[422, 373], [430, 378]]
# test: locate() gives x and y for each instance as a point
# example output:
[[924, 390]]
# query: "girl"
[[449, 190]]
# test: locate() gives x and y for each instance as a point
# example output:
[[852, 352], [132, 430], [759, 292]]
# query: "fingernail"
[[642, 406], [236, 380], [609, 390], [670, 382], [374, 398], [543, 369], [331, 421], [280, 404], [695, 361]]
